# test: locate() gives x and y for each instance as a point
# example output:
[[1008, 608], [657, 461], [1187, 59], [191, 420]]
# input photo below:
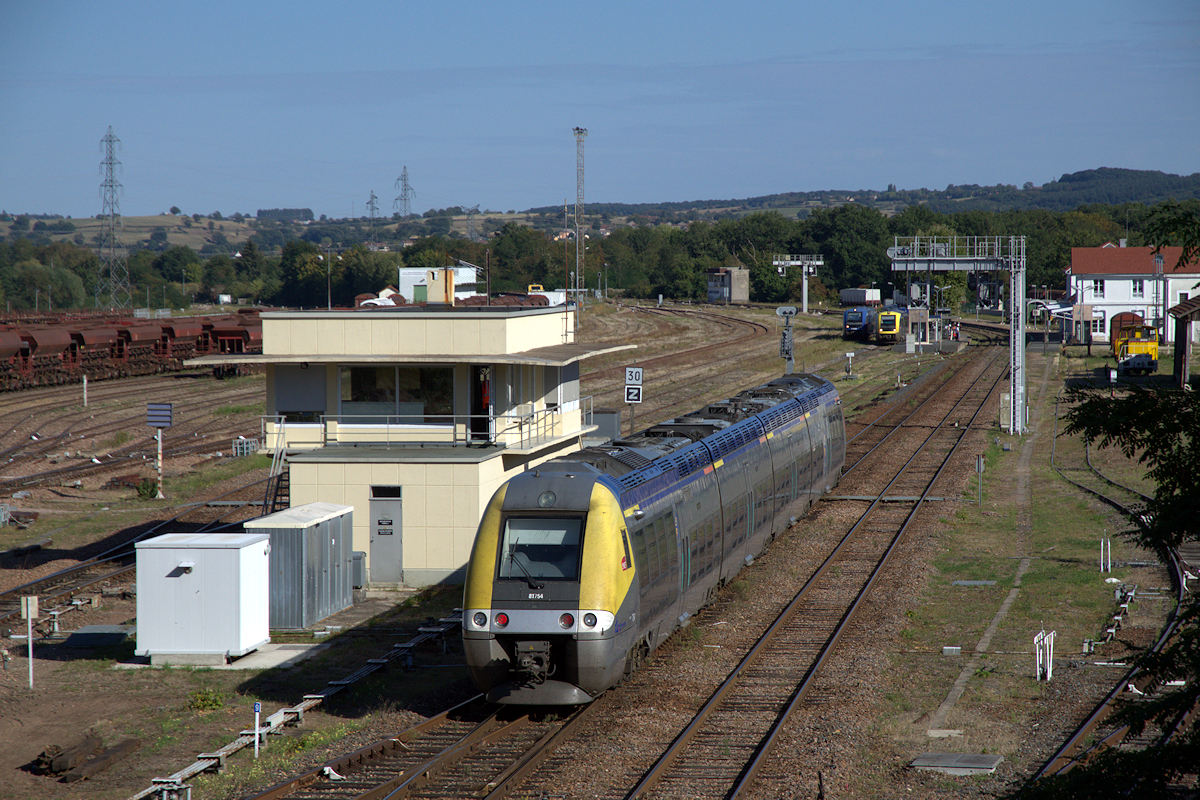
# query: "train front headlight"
[[589, 620], [480, 619]]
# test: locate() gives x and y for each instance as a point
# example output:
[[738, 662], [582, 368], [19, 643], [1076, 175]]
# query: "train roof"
[[142, 332], [10, 343], [184, 328], [45, 340], [723, 427], [92, 337]]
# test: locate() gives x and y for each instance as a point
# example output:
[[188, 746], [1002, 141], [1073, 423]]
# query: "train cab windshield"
[[534, 549]]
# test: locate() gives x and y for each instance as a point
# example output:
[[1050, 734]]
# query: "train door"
[[820, 453], [826, 452], [837, 441], [800, 468], [387, 548]]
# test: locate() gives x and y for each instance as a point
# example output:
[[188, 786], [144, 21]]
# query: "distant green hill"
[[1106, 185]]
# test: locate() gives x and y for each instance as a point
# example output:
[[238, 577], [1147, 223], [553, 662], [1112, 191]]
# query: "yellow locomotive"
[[1134, 345], [889, 325]]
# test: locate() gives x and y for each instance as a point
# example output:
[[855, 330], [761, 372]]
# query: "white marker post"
[[257, 711], [979, 479], [1043, 645], [633, 391], [29, 610], [159, 416]]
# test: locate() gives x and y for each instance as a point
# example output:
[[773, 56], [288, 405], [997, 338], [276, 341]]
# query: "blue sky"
[[230, 107]]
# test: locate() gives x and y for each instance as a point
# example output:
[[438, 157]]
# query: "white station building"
[[1112, 279]]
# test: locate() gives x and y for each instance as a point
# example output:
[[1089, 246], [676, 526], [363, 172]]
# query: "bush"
[[205, 700]]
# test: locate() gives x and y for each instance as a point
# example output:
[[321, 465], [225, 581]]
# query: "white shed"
[[202, 597]]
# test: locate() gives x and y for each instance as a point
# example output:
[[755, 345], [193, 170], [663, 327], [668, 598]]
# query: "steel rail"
[[801, 690], [1072, 752], [418, 777], [504, 784], [119, 551], [895, 428], [658, 771]]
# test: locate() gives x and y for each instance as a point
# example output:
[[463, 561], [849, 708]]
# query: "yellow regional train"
[[584, 564], [889, 325]]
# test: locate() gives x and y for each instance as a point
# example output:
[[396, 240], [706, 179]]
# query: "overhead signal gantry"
[[925, 254]]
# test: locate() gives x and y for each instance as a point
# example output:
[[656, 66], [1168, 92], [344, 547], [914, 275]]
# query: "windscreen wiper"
[[512, 557]]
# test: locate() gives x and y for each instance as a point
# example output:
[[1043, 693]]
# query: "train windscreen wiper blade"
[[512, 557]]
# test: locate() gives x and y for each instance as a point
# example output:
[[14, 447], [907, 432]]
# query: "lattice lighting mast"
[[114, 272]]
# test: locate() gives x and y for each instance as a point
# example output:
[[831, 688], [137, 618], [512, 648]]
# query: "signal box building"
[[728, 285], [414, 415]]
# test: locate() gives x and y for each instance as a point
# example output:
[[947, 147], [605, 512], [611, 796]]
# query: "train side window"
[[626, 563], [640, 554], [653, 550], [671, 537], [685, 575]]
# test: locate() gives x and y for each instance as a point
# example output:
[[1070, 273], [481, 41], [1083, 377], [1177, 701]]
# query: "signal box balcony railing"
[[522, 429]]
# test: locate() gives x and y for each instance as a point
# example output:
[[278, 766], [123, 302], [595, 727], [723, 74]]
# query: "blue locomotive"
[[858, 323], [584, 564]]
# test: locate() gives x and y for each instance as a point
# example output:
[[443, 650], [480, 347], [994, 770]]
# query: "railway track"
[[1094, 734], [472, 750], [731, 737], [728, 744], [115, 564], [673, 377], [199, 429]]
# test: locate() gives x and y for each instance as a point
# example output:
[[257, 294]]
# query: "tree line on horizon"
[[637, 261]]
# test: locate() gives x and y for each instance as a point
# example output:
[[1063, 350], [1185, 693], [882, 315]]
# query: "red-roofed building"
[[1114, 278]]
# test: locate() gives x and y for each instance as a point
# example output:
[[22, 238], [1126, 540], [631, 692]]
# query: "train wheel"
[[634, 659]]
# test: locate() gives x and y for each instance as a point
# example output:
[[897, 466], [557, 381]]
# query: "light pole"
[[1162, 275], [329, 276]]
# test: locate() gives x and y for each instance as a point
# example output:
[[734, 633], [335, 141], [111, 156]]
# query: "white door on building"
[[386, 507]]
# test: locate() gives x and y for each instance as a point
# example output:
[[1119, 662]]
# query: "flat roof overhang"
[[558, 355], [417, 453]]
